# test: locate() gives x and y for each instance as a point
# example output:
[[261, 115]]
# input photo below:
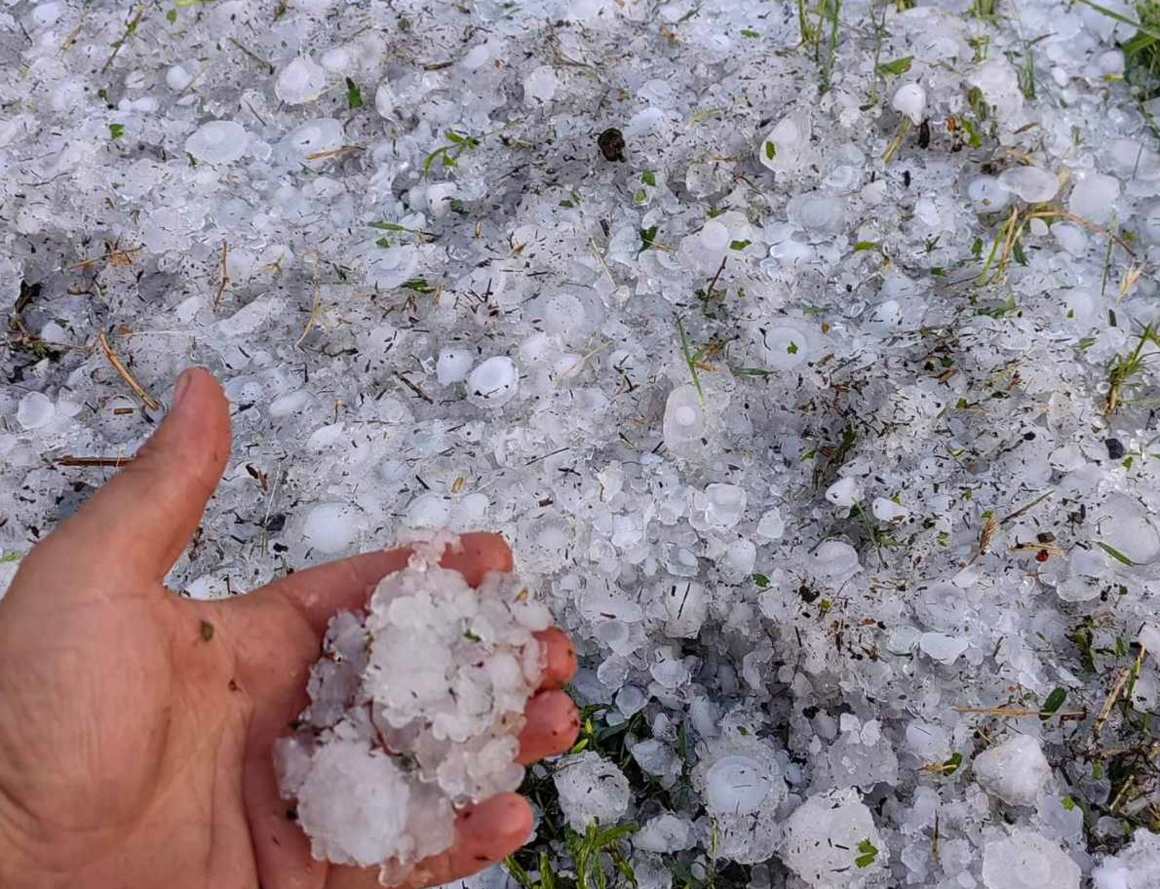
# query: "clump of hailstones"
[[416, 707]]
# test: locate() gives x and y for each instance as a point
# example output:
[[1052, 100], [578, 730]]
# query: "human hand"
[[136, 727]]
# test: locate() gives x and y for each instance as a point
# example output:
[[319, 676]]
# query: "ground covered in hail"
[[804, 351]]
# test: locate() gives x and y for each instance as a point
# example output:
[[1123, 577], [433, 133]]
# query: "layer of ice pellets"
[[442, 261], [592, 790], [826, 838], [1015, 770], [415, 708], [1028, 860]]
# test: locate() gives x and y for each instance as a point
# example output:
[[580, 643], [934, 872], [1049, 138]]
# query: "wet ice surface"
[[883, 498]]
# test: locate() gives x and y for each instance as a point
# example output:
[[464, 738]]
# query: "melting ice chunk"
[[684, 422], [452, 366], [834, 561], [540, 86], [736, 785], [1028, 860], [218, 142], [988, 194], [591, 789], [35, 410], [664, 834], [888, 511], [844, 493], [1033, 185], [831, 840], [1136, 867], [942, 648], [787, 347], [494, 382], [724, 505], [1094, 198], [910, 99], [1124, 525], [821, 215], [784, 145], [352, 804], [301, 81], [1015, 771], [331, 527]]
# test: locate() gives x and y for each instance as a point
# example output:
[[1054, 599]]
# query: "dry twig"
[[217, 300], [119, 366], [110, 462]]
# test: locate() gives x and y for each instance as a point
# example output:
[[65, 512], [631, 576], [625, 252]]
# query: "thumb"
[[146, 514]]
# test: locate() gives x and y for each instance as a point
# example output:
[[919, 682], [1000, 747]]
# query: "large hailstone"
[[415, 710], [301, 81], [685, 422], [831, 841], [741, 782], [786, 146], [1124, 524], [910, 100], [1136, 867], [591, 789], [494, 382], [218, 142], [1015, 771], [1028, 860]]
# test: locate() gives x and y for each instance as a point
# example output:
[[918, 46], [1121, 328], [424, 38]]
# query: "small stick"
[[600, 257], [71, 39], [333, 152], [113, 254], [130, 28], [414, 388], [713, 283], [217, 300], [253, 55], [1016, 712], [1122, 682], [139, 390], [1034, 503], [314, 310], [583, 359], [111, 462]]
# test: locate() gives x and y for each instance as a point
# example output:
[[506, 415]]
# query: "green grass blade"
[[1120, 17]]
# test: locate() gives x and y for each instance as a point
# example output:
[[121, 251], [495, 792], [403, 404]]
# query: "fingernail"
[[182, 387]]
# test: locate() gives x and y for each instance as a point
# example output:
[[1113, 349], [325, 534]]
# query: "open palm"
[[136, 727]]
